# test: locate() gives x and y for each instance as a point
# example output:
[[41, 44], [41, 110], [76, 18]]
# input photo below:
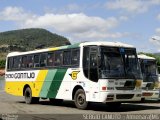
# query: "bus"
[[150, 87], [105, 72]]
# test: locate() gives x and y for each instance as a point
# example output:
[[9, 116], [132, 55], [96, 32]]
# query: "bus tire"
[[80, 99], [28, 96], [56, 101]]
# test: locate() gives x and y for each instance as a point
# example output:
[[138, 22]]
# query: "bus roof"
[[101, 43], [142, 56], [113, 44]]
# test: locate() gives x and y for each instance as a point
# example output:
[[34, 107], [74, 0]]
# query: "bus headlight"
[[138, 83]]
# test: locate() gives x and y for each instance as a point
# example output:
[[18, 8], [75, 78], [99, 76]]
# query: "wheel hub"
[[81, 99]]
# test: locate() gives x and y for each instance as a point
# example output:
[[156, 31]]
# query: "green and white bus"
[[150, 87], [106, 72]]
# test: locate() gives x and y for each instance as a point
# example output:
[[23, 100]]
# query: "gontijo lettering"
[[20, 75]]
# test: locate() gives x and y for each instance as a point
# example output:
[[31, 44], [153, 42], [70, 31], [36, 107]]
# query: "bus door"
[[90, 68], [93, 64]]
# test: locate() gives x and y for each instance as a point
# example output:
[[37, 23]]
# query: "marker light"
[[104, 88]]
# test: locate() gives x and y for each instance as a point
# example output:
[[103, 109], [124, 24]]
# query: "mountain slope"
[[29, 39]]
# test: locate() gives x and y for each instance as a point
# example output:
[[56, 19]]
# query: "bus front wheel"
[[28, 96], [80, 99]]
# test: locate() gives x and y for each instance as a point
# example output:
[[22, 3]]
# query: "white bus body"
[[89, 72]]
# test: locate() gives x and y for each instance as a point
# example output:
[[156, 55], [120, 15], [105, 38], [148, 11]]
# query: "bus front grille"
[[124, 96]]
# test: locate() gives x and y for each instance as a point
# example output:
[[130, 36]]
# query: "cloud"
[[132, 6], [123, 18], [158, 16], [73, 7], [100, 35], [14, 14], [158, 31], [77, 25], [69, 8], [77, 22]]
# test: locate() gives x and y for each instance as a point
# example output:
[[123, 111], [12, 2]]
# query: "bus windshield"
[[149, 70], [119, 63]]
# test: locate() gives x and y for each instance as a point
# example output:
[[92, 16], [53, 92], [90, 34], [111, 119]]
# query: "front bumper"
[[123, 96]]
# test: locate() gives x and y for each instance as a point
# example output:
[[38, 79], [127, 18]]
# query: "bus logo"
[[74, 75]]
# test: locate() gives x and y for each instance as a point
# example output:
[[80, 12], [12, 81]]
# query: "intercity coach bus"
[[150, 86], [106, 72]]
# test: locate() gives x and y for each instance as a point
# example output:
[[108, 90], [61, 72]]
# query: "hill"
[[28, 39]]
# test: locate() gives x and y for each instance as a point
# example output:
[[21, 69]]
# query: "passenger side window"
[[75, 57], [16, 62], [43, 60], [36, 61], [58, 58], [67, 58], [24, 62], [30, 61], [50, 59], [10, 63]]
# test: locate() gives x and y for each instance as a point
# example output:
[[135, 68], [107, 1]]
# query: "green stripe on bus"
[[69, 46], [55, 85], [74, 45], [47, 83]]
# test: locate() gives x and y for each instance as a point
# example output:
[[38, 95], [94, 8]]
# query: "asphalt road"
[[12, 106]]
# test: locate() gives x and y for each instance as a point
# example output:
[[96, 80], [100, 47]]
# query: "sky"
[[133, 22]]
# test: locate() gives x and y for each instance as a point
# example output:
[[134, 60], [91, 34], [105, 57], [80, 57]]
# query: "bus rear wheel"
[[28, 96], [80, 99]]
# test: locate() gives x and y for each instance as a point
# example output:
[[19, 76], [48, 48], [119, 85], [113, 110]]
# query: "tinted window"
[[50, 59], [75, 56], [30, 61], [43, 60], [111, 63], [16, 62], [67, 58], [36, 60], [10, 63], [58, 58], [86, 61], [24, 62]]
